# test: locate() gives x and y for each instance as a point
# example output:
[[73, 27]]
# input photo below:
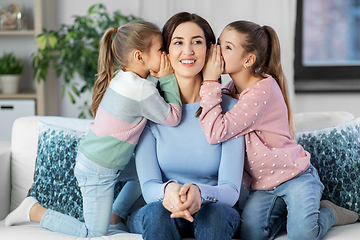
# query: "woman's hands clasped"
[[182, 201], [214, 66]]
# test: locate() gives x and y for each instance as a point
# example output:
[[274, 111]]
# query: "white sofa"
[[17, 173]]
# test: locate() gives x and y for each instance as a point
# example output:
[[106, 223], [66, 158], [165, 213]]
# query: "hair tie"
[[115, 29]]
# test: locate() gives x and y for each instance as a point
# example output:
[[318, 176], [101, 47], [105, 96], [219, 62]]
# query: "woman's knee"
[[216, 219], [146, 215], [214, 211], [150, 215], [153, 222]]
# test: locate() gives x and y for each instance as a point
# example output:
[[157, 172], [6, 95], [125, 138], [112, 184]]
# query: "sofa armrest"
[[4, 178]]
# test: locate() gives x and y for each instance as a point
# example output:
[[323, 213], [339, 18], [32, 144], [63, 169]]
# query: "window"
[[327, 46]]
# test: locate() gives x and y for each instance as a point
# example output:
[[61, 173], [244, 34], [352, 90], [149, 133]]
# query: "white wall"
[[218, 13], [327, 102]]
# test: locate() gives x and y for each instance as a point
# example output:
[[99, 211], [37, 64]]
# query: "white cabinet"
[[11, 110]]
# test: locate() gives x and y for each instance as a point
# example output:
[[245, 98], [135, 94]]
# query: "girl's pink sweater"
[[261, 115]]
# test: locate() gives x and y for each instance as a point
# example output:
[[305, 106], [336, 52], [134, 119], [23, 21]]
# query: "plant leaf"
[[52, 40], [76, 91], [72, 98], [63, 88], [42, 40]]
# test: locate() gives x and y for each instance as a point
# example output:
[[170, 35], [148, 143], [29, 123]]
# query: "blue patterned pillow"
[[335, 153], [55, 185]]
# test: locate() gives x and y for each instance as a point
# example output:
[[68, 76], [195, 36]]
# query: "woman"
[[189, 185]]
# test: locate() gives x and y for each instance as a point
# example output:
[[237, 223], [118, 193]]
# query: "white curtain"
[[279, 14]]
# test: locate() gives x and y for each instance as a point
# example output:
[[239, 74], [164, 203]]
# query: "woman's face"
[[187, 49], [232, 51]]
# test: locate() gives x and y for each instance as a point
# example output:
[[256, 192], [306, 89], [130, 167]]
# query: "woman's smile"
[[189, 62]]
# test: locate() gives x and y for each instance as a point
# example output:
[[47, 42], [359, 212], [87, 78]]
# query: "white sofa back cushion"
[[24, 150], [309, 121]]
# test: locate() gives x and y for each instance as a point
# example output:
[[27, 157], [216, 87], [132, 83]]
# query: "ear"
[[138, 57], [250, 60]]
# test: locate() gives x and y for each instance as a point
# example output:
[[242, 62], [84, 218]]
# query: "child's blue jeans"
[[97, 187], [293, 205]]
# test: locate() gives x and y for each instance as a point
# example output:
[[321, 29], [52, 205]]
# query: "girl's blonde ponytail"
[[274, 68], [105, 70]]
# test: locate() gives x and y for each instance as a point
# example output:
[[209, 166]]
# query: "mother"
[[189, 185]]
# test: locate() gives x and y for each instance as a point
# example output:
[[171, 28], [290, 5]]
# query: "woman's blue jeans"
[[212, 221], [97, 188], [294, 206]]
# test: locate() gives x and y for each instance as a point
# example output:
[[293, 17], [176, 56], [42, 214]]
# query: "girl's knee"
[[303, 231], [303, 235]]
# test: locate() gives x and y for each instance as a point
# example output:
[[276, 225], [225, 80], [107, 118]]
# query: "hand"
[[165, 67], [214, 66], [191, 197], [173, 203]]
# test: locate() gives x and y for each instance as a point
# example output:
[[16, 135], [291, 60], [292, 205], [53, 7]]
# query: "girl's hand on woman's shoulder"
[[214, 66], [165, 67]]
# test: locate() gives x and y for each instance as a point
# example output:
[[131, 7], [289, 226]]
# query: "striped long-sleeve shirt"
[[122, 114]]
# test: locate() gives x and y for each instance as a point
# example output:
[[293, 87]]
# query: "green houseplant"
[[11, 69], [73, 50]]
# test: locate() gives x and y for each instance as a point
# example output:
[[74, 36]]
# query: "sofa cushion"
[[55, 185], [310, 121], [335, 153]]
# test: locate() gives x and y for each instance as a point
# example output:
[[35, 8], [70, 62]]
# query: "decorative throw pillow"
[[55, 185], [335, 153]]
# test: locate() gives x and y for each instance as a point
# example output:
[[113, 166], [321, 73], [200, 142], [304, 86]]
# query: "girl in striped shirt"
[[122, 103]]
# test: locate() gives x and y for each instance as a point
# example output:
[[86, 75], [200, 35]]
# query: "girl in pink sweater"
[[285, 189]]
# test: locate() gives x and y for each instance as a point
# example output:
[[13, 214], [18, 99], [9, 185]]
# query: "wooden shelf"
[[20, 95], [17, 32], [24, 39]]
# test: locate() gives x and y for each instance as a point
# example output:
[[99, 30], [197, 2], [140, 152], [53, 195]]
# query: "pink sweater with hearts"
[[261, 116]]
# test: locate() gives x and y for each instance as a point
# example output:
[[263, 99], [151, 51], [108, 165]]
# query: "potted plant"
[[11, 69], [74, 50]]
